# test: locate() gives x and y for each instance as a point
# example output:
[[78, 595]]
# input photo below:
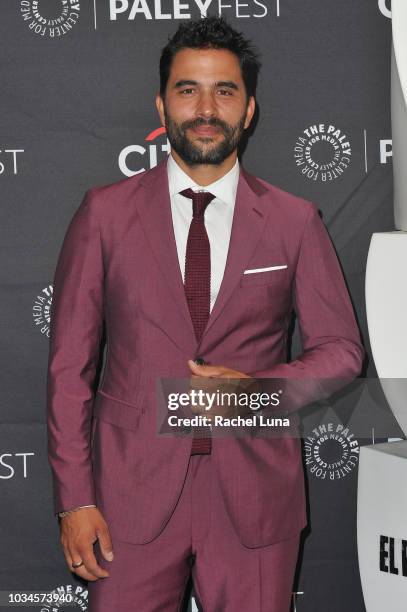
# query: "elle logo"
[[393, 556]]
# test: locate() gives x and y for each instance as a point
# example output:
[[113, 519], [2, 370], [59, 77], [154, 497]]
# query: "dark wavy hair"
[[212, 32]]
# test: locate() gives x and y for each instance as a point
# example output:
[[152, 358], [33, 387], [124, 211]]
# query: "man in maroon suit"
[[194, 267]]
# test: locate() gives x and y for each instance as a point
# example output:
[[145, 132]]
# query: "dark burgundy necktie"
[[197, 283]]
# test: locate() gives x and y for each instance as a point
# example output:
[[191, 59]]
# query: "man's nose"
[[206, 105]]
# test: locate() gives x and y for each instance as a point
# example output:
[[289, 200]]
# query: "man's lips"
[[206, 130]]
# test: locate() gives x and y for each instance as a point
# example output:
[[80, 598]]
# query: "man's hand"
[[214, 371], [200, 372], [79, 531]]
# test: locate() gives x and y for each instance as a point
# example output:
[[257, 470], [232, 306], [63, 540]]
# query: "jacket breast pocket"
[[119, 412], [275, 277]]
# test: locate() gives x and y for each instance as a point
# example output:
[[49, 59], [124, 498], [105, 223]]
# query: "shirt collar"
[[224, 188]]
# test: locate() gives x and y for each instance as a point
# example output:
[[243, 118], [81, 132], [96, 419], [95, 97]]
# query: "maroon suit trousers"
[[197, 539]]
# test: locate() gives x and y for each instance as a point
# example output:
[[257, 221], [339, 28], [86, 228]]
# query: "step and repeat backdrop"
[[78, 80]]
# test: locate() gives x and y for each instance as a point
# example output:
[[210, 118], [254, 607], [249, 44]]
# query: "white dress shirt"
[[218, 217]]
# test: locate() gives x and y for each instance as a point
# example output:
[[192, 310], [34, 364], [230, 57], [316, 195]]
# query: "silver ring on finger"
[[75, 565]]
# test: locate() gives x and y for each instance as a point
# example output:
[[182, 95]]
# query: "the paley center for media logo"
[[66, 597], [385, 7], [331, 451], [50, 19], [322, 152], [41, 310]]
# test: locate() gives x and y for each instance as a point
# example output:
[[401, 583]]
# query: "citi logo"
[[155, 143], [184, 9]]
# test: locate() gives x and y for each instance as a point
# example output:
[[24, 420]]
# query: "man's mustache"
[[213, 122]]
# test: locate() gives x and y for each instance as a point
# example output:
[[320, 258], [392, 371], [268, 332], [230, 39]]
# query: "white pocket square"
[[255, 270]]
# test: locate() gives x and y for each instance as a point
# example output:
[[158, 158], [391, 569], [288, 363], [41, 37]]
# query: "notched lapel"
[[156, 219], [249, 219]]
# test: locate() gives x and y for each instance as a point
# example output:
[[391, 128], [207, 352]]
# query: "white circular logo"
[[67, 597], [322, 152], [385, 8], [332, 452], [41, 310], [51, 19]]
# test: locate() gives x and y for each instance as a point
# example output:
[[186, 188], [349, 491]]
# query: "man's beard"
[[191, 153]]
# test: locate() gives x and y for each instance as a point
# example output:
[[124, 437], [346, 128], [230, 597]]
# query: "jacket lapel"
[[155, 215], [248, 222]]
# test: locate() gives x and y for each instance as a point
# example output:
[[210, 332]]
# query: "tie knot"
[[200, 200]]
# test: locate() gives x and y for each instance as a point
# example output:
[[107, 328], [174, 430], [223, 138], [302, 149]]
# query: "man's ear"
[[251, 107], [159, 102]]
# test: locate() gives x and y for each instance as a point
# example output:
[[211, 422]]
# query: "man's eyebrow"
[[230, 84], [183, 82]]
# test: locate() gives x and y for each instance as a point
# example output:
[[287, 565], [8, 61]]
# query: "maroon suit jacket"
[[119, 263]]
